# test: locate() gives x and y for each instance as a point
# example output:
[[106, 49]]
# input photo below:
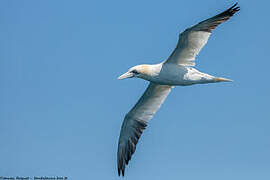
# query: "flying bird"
[[177, 70]]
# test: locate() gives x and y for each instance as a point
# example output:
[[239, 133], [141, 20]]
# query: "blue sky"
[[62, 106]]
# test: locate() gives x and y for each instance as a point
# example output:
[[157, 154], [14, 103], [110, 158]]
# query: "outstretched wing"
[[136, 121], [193, 39]]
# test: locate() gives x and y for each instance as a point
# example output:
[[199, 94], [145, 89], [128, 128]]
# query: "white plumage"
[[177, 70]]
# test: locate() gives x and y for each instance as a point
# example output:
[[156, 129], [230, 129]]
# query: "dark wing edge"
[[126, 149], [191, 48], [211, 23], [136, 121]]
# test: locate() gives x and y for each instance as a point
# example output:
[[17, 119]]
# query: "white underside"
[[177, 75]]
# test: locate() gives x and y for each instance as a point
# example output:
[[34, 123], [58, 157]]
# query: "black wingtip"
[[121, 172], [235, 8], [235, 4], [126, 150], [230, 12]]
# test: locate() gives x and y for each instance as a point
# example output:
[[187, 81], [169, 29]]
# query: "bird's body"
[[177, 70], [175, 75]]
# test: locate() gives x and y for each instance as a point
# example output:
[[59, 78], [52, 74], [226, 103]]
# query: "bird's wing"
[[136, 121], [192, 40]]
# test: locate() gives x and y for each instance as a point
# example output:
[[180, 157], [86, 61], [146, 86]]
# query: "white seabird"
[[175, 71]]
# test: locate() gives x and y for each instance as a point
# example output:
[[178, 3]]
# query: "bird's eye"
[[135, 72]]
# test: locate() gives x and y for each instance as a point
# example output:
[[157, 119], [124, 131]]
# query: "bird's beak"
[[126, 75]]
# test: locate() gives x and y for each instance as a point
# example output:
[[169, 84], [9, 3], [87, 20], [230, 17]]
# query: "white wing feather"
[[193, 39]]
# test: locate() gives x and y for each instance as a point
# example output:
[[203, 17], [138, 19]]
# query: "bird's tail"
[[220, 79]]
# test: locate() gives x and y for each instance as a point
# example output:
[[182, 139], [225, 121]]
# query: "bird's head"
[[139, 71]]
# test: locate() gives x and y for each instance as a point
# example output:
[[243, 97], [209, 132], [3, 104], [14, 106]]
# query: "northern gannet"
[[177, 70]]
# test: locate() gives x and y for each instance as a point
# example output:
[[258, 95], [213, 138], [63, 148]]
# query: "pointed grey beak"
[[126, 75]]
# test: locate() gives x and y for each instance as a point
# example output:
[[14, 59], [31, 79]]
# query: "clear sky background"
[[61, 105]]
